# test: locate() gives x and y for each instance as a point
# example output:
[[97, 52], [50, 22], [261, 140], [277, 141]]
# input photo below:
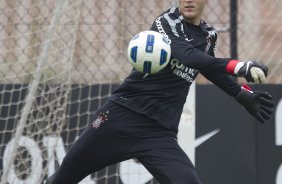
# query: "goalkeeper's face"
[[192, 10]]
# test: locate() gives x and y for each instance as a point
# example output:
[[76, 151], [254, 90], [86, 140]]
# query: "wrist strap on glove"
[[251, 70]]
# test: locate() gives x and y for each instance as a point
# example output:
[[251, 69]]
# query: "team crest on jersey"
[[102, 117]]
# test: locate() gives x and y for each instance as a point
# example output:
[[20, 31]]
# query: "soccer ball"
[[149, 52]]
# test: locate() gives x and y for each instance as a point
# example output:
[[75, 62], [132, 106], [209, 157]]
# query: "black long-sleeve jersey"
[[161, 96]]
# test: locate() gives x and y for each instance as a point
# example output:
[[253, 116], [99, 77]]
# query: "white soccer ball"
[[149, 52]]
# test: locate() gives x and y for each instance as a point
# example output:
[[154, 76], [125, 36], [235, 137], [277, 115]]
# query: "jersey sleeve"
[[224, 81], [172, 28]]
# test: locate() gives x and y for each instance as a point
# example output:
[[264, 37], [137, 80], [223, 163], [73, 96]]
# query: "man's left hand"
[[258, 103]]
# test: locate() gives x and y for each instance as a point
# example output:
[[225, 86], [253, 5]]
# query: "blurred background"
[[102, 29]]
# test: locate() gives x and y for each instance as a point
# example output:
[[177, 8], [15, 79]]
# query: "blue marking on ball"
[[133, 54], [150, 43], [147, 66], [163, 57]]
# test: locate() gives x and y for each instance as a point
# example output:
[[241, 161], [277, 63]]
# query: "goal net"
[[61, 59], [37, 47]]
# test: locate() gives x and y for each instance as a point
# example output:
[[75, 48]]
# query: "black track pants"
[[116, 134]]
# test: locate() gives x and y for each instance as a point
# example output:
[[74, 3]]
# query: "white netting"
[[37, 47]]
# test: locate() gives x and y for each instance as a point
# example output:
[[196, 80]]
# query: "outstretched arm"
[[171, 26], [224, 81], [259, 104]]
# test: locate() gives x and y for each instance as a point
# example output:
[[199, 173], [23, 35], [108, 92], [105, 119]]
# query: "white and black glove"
[[258, 103], [252, 71]]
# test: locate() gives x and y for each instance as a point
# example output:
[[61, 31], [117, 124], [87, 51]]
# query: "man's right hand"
[[252, 71]]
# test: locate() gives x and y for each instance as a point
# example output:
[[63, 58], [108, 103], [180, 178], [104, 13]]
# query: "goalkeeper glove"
[[259, 104], [251, 70]]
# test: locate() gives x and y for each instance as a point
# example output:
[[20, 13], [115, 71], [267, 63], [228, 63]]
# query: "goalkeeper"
[[140, 119]]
